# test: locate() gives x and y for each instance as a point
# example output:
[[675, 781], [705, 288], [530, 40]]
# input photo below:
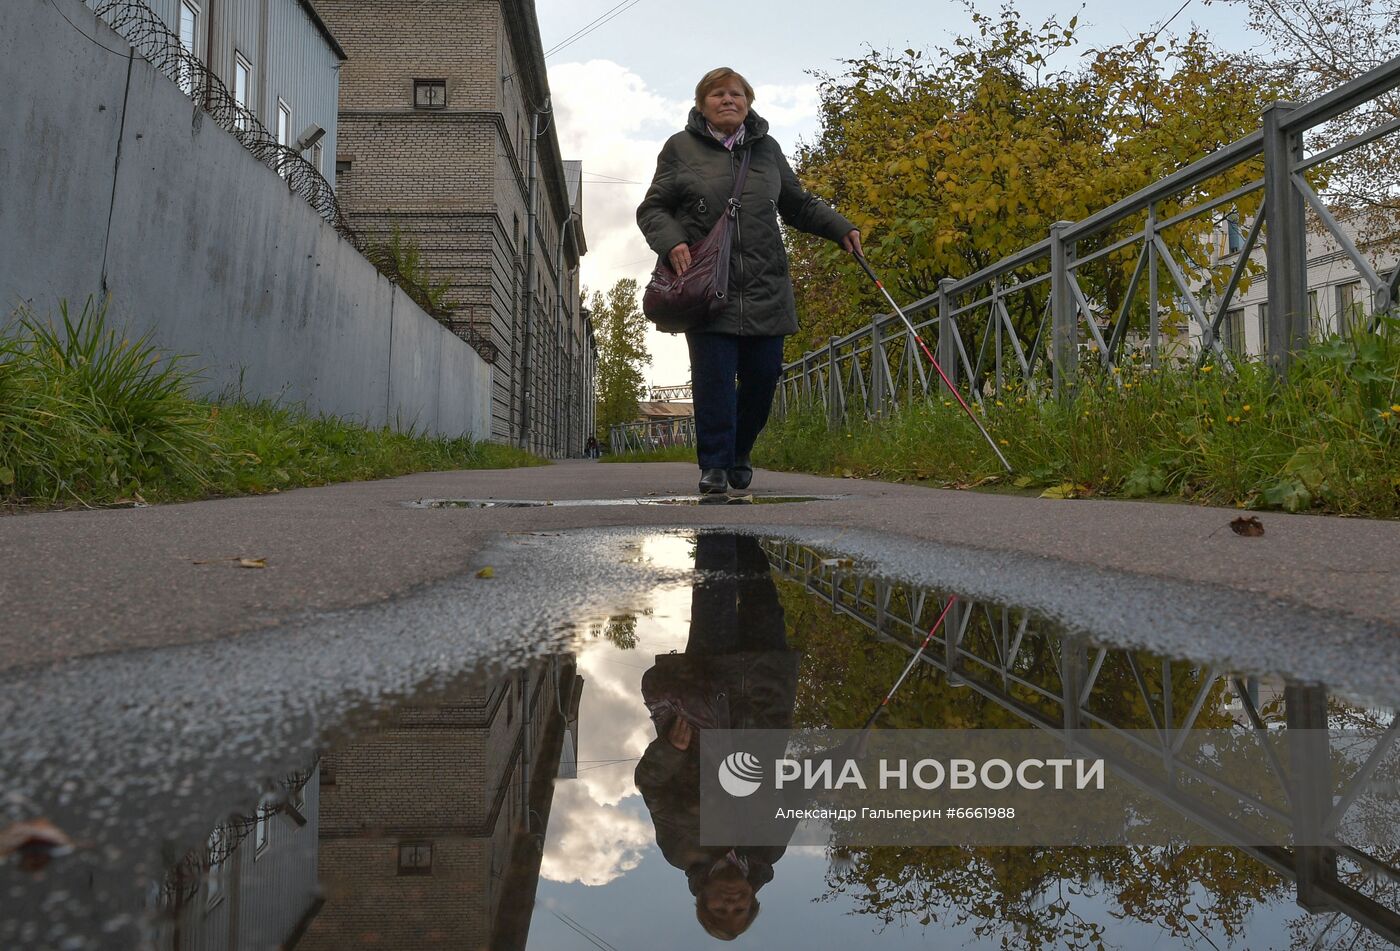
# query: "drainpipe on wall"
[[565, 286], [526, 356]]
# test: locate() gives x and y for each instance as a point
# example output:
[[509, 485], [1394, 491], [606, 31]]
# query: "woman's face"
[[725, 106], [729, 900]]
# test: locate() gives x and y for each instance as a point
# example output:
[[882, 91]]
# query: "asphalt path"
[[150, 683], [86, 582]]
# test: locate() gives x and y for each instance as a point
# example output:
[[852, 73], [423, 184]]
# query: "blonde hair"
[[716, 76]]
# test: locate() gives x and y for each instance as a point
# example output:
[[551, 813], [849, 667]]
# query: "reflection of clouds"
[[598, 826], [591, 843]]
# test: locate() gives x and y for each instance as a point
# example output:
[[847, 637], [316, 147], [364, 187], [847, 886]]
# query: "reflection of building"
[[432, 828], [254, 885]]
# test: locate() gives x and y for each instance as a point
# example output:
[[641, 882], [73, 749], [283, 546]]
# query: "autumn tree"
[[622, 353], [952, 160], [1315, 46]]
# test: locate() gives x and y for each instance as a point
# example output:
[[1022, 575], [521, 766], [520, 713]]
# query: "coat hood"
[[755, 126]]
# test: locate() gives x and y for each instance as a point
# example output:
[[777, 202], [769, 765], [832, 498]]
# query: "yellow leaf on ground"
[[1065, 490], [252, 562], [487, 572]]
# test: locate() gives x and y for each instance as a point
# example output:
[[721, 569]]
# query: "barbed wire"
[[185, 878], [155, 42]]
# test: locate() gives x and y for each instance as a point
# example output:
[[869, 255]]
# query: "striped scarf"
[[730, 142]]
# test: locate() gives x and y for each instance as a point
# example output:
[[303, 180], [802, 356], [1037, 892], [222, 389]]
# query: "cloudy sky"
[[622, 88]]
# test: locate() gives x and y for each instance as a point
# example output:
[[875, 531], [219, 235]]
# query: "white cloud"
[[589, 843]]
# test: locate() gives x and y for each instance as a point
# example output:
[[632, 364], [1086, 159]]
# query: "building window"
[[189, 40], [317, 154], [430, 94], [1351, 307], [262, 830], [214, 881], [284, 135], [415, 858], [1232, 330], [1315, 328], [342, 167], [1264, 327], [243, 88], [1234, 241]]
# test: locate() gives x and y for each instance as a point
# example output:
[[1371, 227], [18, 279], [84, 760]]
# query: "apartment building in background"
[[444, 135], [1339, 300], [277, 57]]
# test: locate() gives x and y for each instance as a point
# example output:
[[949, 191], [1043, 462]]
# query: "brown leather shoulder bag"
[[680, 302]]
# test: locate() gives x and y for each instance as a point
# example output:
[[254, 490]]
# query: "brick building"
[[444, 134]]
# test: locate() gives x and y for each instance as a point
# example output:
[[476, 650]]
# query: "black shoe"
[[741, 473], [712, 482]]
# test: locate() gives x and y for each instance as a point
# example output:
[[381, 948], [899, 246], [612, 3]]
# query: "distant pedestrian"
[[590, 448], [695, 176]]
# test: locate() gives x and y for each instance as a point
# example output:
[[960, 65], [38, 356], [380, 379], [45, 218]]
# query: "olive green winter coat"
[[693, 182]]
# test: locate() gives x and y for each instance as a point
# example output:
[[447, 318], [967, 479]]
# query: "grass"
[[89, 417], [1325, 439]]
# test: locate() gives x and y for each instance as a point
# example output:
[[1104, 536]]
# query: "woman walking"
[[736, 356]]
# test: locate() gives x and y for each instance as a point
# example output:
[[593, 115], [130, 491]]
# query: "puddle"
[[541, 806], [640, 500]]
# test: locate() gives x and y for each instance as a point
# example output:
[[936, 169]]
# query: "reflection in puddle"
[[639, 500], [556, 805]]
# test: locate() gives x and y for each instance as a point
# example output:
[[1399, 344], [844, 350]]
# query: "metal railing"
[[1138, 270], [1060, 682], [651, 435]]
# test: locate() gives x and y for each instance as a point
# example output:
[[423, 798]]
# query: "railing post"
[[806, 381], [1154, 316], [947, 331], [878, 369], [1064, 326], [1286, 252], [833, 384]]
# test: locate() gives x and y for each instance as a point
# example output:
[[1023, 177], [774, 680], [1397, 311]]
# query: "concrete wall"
[[112, 180]]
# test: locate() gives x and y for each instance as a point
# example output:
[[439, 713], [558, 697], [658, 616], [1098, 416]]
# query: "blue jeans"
[[732, 383]]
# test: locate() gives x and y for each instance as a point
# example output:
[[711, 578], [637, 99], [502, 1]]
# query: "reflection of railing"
[[1059, 682], [651, 435], [1021, 319]]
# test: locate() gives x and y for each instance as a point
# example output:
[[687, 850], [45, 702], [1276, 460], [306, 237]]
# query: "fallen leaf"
[[1023, 482], [252, 562], [1249, 527], [36, 840], [487, 572], [1065, 490], [847, 474]]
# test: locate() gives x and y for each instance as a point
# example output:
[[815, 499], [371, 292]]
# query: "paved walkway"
[[78, 583]]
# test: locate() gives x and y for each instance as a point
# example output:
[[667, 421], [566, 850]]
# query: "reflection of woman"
[[736, 673], [695, 178]]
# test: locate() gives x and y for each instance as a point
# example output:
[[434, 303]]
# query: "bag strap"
[[739, 181]]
